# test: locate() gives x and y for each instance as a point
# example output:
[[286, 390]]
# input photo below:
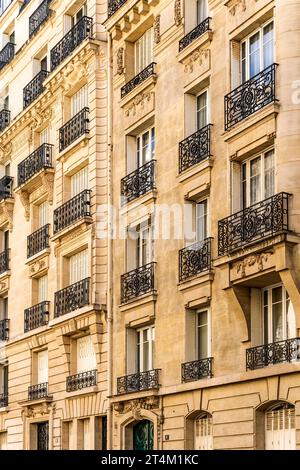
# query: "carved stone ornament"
[[6, 213], [199, 56], [120, 61], [139, 100], [258, 258], [24, 197], [177, 12], [38, 266], [136, 407], [235, 5], [157, 30]]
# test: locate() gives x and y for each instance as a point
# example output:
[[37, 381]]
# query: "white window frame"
[[205, 441], [42, 289], [285, 297], [79, 181], [144, 240], [150, 155], [143, 51], [80, 100], [197, 217], [80, 271], [43, 210], [208, 332], [87, 342], [140, 347], [44, 355], [202, 92]]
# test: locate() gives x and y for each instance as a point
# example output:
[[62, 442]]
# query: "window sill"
[[194, 170], [139, 301], [134, 395], [83, 391], [48, 399], [87, 309], [36, 181], [38, 256], [196, 44], [76, 145], [206, 276], [84, 223], [144, 199]]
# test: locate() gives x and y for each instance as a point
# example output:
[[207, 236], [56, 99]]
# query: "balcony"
[[4, 119], [273, 353], [7, 54], [250, 97], [6, 184], [114, 5], [138, 182], [4, 330], [82, 380], [36, 316], [194, 34], [38, 241], [138, 382], [138, 282], [73, 210], [40, 159], [4, 261], [71, 298], [196, 370], [3, 400], [39, 16], [195, 259], [34, 88], [138, 79], [38, 392], [258, 222], [195, 148], [76, 35], [73, 129]]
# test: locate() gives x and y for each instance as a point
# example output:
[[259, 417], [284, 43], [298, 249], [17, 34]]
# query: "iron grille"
[[40, 159], [195, 148], [82, 380], [4, 330], [71, 298], [138, 182], [137, 282], [75, 209], [34, 88], [197, 370], [37, 392], [138, 79], [195, 259], [194, 34], [4, 119], [39, 16], [138, 382], [36, 316], [7, 54], [273, 353], [73, 129]]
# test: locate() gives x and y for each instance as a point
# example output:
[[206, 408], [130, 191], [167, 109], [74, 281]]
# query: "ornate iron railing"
[[194, 34], [195, 259], [197, 370], [137, 282], [82, 380], [4, 119], [38, 241], [71, 298], [7, 54], [6, 184], [3, 400], [39, 16], [195, 148], [273, 353], [138, 79], [260, 221], [138, 382], [4, 330], [75, 209], [36, 316], [114, 5], [37, 392], [138, 182], [73, 129], [251, 96], [76, 35], [4, 261], [40, 159], [34, 88]]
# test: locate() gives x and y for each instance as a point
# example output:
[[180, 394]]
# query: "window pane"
[[269, 174], [277, 314], [202, 110], [202, 335], [255, 180], [268, 45], [201, 221], [254, 54], [244, 62], [202, 13], [146, 150]]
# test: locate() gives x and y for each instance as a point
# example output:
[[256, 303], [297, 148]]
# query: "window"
[[3, 381], [258, 178], [203, 439], [42, 367], [3, 308], [79, 266], [86, 357], [278, 315], [143, 246], [43, 214], [201, 220], [79, 181], [202, 10], [44, 136], [143, 51], [4, 240], [43, 64], [42, 435], [280, 429], [6, 102], [3, 435], [202, 334], [145, 348], [145, 147], [257, 52], [42, 289], [79, 100], [202, 110], [79, 15]]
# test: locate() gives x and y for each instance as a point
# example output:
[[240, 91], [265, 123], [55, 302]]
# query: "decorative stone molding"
[[24, 198], [39, 410], [120, 61], [257, 259], [137, 406], [177, 12], [139, 101], [4, 284], [37, 341], [6, 213], [235, 5], [156, 28], [38, 266], [200, 57]]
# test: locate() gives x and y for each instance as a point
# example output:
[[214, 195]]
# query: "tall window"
[[145, 348], [79, 266], [79, 15], [145, 146], [43, 289], [42, 367], [201, 220], [144, 242], [280, 429], [86, 357], [258, 178], [3, 380], [43, 214], [203, 439], [79, 181], [202, 334], [143, 51], [44, 136], [79, 100], [257, 51], [278, 315], [202, 110], [202, 10]]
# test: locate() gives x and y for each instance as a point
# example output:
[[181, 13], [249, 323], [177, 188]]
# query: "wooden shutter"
[[280, 429], [42, 367], [43, 289], [79, 267], [79, 100], [86, 357], [79, 181], [203, 434]]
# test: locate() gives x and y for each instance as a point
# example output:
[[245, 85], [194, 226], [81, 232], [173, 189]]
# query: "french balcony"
[[4, 119], [74, 128], [39, 160], [138, 382], [4, 261], [138, 282], [82, 30], [253, 224], [195, 259], [34, 88], [138, 79], [38, 241], [39, 16], [7, 54], [72, 211], [82, 380], [36, 316], [3, 400], [114, 5], [6, 184], [38, 392], [4, 330], [195, 149], [197, 370], [194, 34], [72, 298], [138, 182], [273, 353], [250, 97]]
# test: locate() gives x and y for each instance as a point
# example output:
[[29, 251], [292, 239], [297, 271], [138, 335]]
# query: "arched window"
[[280, 432], [203, 436]]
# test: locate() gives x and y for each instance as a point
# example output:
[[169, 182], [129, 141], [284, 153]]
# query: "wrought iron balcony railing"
[[73, 210], [7, 54], [250, 97], [138, 182], [82, 380], [4, 261], [76, 35], [195, 259], [4, 119], [114, 5], [36, 316], [4, 330], [6, 184], [137, 282], [34, 88], [38, 241], [258, 222], [194, 34], [73, 129], [138, 382], [3, 400], [273, 353], [39, 16], [40, 159], [37, 392], [195, 148], [71, 298], [197, 370], [138, 79]]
